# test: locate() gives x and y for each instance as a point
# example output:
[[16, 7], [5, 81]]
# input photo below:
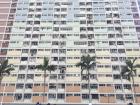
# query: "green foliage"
[[87, 63], [45, 66], [5, 68], [130, 69]]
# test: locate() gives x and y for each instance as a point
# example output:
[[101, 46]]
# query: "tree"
[[129, 71], [46, 67], [87, 63], [5, 69]]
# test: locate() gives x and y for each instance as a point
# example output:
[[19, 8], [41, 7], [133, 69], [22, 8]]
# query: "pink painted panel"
[[1, 36], [2, 29], [0, 43], [3, 16], [4, 4], [4, 10], [5, 0], [2, 23]]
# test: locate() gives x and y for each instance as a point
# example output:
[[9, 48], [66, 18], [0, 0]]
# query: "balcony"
[[119, 101], [52, 89], [127, 90], [20, 80], [85, 90], [61, 100], [5, 44], [117, 80], [95, 100], [27, 100], [24, 62], [19, 90], [61, 90], [11, 17], [118, 90], [18, 98], [28, 90], [53, 78]]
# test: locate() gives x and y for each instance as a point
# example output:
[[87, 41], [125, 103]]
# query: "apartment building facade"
[[63, 31]]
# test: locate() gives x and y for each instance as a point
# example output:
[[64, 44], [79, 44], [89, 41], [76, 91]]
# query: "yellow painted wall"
[[73, 61], [72, 79], [9, 79], [14, 61], [74, 69], [73, 53], [104, 70], [133, 53], [102, 53], [105, 79], [39, 61], [13, 53], [104, 61], [43, 53]]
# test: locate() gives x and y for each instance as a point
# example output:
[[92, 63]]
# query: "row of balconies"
[[67, 99], [74, 89]]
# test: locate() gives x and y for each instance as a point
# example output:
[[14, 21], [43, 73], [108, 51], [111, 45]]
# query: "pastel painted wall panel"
[[10, 88], [40, 89], [4, 4], [105, 79], [137, 100], [137, 62], [4, 10], [73, 61], [104, 70], [73, 99], [13, 53], [14, 61], [39, 99], [1, 1], [72, 88], [43, 53], [38, 79], [137, 79], [1, 88], [137, 89], [39, 61], [7, 99], [100, 23], [3, 16], [72, 79], [106, 99], [106, 89], [2, 29], [104, 61], [9, 79], [73, 53], [19, 24], [73, 69], [102, 53], [2, 23]]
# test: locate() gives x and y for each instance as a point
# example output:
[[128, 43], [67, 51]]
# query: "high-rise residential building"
[[63, 31]]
